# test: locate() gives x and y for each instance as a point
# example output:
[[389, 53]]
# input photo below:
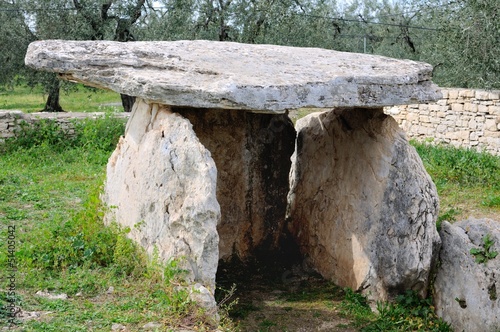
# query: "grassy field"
[[75, 98], [49, 191]]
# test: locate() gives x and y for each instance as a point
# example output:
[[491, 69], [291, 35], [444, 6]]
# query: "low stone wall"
[[10, 120], [463, 118]]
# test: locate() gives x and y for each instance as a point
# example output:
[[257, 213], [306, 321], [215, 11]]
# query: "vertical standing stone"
[[361, 204], [161, 183], [252, 152]]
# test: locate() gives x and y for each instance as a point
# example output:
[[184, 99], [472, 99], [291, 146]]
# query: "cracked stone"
[[359, 202], [460, 277]]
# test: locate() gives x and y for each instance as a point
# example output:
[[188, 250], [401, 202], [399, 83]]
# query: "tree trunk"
[[52, 104], [127, 102]]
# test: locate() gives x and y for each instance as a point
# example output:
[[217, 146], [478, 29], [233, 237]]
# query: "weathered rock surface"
[[207, 74], [252, 152], [467, 293], [161, 183], [361, 204]]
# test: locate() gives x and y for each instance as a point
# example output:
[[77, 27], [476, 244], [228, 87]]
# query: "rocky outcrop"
[[205, 74], [161, 184], [466, 292], [362, 206]]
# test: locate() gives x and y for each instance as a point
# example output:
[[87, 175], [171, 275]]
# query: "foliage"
[[99, 135], [356, 305], [408, 313], [63, 245], [30, 20], [15, 36], [484, 254], [468, 37], [466, 167]]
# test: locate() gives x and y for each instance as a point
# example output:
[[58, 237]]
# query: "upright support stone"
[[251, 151], [161, 184], [362, 206]]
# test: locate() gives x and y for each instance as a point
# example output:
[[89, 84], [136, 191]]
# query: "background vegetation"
[[49, 190], [460, 38]]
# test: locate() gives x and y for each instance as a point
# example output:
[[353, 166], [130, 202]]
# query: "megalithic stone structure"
[[210, 166]]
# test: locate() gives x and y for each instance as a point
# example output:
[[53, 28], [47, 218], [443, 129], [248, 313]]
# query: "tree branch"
[[104, 10], [137, 11]]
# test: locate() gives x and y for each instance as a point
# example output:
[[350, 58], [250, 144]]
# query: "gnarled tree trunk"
[[52, 103]]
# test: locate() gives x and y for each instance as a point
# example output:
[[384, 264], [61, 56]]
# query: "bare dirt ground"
[[291, 300]]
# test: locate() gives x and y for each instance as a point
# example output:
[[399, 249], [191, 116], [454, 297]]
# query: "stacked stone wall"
[[12, 120], [462, 118]]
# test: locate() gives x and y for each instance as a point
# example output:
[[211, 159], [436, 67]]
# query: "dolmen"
[[211, 168]]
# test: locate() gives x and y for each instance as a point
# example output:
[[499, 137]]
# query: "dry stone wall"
[[463, 118], [11, 120]]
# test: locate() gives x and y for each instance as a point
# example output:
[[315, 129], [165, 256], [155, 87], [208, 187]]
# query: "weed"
[[98, 135], [484, 254], [492, 201], [449, 215], [408, 313], [356, 306], [447, 164], [44, 131]]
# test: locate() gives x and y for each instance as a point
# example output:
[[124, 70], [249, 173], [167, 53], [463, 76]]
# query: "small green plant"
[[449, 215], [491, 201], [485, 253], [44, 131], [356, 305], [408, 313]]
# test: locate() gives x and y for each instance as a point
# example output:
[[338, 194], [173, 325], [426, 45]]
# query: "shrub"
[[447, 164], [100, 134]]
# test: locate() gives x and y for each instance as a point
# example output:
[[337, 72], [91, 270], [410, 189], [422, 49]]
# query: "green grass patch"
[[73, 98], [468, 181], [408, 313], [50, 187], [465, 167]]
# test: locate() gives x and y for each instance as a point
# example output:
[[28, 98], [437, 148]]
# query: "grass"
[[73, 98], [468, 181], [49, 190]]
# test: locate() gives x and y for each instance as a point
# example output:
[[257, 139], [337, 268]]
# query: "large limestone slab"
[[361, 204], [467, 293], [266, 78], [161, 183]]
